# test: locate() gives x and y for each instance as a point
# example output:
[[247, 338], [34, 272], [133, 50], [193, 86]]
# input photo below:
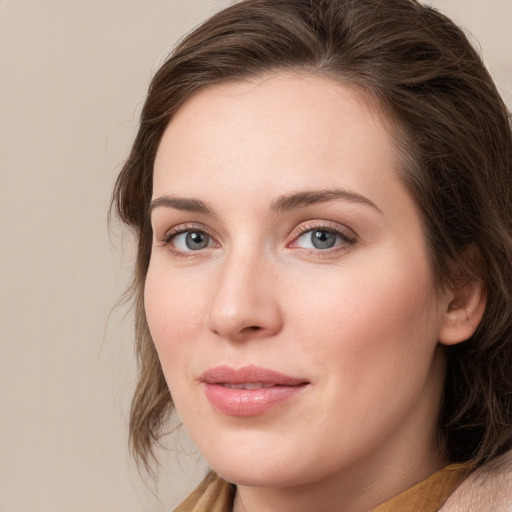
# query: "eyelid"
[[183, 228], [169, 235], [311, 225], [347, 235]]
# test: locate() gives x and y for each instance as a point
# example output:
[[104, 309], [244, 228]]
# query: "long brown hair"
[[452, 130]]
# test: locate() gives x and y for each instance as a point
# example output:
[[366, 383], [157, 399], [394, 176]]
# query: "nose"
[[245, 302]]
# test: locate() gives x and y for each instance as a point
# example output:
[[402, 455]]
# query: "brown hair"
[[452, 129]]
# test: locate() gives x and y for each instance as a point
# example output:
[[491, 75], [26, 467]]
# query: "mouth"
[[246, 385], [250, 390]]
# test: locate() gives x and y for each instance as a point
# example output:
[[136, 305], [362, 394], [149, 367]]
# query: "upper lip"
[[248, 374]]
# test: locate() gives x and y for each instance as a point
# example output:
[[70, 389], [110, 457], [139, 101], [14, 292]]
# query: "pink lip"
[[276, 389]]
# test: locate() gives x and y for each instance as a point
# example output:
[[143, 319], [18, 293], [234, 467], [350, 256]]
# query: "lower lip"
[[249, 402]]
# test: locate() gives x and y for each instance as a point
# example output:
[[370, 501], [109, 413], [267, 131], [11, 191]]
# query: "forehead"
[[275, 132], [260, 102]]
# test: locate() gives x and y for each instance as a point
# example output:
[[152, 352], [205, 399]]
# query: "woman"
[[322, 192]]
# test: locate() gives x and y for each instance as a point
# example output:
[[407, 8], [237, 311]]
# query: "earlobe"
[[464, 312]]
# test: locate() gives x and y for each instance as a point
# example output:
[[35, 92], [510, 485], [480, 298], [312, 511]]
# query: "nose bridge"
[[245, 302]]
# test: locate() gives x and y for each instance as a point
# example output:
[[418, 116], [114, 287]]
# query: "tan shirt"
[[216, 495]]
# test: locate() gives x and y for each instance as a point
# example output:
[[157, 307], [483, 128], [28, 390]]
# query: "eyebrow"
[[283, 203], [310, 197], [179, 203]]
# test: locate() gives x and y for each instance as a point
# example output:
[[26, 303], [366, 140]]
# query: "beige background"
[[73, 74]]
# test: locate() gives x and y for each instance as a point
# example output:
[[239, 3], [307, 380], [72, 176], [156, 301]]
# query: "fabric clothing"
[[212, 495], [430, 494], [216, 495]]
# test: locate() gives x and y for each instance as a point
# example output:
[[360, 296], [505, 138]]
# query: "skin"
[[360, 322]]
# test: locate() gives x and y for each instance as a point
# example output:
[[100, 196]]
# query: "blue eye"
[[320, 238], [323, 239], [191, 241]]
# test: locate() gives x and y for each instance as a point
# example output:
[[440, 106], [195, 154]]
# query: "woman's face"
[[289, 294]]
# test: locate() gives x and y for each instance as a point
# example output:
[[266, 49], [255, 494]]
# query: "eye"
[[321, 238], [191, 240]]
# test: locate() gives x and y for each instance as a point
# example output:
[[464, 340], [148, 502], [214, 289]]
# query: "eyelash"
[[310, 228], [343, 242], [170, 235], [345, 237]]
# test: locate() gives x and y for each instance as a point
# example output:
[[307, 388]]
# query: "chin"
[[267, 474], [262, 461]]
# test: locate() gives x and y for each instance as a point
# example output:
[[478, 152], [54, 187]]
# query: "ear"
[[464, 311]]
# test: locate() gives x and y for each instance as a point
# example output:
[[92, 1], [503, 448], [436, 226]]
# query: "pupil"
[[196, 240], [323, 239]]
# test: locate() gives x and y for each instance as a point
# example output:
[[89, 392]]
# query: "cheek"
[[370, 336], [378, 316], [175, 319], [175, 316]]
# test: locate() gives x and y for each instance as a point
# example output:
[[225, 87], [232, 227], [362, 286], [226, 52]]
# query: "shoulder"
[[488, 489]]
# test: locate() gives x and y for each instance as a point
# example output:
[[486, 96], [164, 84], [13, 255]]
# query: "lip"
[[250, 390]]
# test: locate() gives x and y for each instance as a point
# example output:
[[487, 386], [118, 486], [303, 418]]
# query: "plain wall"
[[73, 75]]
